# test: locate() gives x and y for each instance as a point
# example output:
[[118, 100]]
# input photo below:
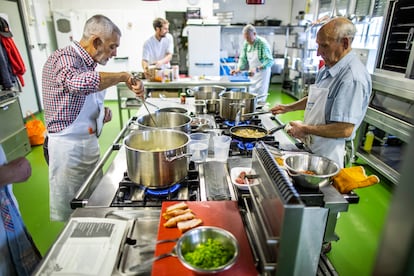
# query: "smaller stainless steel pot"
[[234, 103], [206, 92], [165, 120], [213, 106]]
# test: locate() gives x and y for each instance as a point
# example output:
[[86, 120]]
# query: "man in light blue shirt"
[[19, 255], [338, 101]]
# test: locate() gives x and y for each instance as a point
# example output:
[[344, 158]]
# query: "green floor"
[[359, 229]]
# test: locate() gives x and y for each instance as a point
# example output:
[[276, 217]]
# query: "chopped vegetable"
[[210, 254]]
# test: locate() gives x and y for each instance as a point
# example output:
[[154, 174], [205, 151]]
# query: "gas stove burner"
[[246, 145], [233, 123], [130, 194], [163, 191]]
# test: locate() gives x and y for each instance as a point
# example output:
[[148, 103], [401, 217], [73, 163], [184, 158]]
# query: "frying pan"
[[262, 130]]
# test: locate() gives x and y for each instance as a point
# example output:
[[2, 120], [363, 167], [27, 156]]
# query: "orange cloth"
[[351, 178]]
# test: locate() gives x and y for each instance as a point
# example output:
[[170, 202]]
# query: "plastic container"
[[221, 147], [369, 139], [198, 146]]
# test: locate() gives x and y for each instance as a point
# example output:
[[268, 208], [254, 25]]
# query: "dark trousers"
[[46, 150]]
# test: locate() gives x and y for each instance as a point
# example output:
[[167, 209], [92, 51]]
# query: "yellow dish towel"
[[351, 178]]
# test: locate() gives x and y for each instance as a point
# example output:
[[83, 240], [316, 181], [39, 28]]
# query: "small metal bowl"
[[298, 164], [197, 121], [194, 237]]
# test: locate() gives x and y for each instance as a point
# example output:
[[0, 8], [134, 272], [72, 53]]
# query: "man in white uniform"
[[159, 48], [257, 58], [73, 94], [338, 101]]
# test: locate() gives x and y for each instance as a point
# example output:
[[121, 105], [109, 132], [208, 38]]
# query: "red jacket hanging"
[[15, 58]]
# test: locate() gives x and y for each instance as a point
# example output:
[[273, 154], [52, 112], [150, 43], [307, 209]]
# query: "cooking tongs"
[[134, 81], [255, 113]]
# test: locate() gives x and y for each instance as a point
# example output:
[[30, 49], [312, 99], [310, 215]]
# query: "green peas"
[[210, 254]]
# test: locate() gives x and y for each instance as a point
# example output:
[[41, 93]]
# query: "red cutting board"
[[223, 214]]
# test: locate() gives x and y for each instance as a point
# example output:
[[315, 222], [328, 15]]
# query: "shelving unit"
[[300, 57]]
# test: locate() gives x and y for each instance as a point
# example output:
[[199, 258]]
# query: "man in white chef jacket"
[[159, 48], [74, 112], [256, 57], [338, 101]]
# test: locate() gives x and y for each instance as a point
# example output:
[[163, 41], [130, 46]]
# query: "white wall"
[[28, 101], [285, 10], [134, 18]]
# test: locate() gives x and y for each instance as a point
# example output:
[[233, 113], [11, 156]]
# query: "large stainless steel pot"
[[206, 92], [233, 102], [157, 158], [165, 120]]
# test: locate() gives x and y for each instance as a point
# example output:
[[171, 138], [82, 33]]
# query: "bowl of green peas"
[[207, 249]]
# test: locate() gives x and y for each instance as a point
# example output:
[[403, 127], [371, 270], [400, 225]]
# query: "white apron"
[[331, 148], [76, 149], [261, 78]]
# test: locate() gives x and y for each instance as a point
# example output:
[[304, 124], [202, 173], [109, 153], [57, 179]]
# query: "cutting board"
[[223, 214]]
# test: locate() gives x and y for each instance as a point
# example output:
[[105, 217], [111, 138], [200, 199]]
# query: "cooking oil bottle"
[[369, 139]]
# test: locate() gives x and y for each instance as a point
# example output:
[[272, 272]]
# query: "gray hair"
[[347, 29], [249, 28], [342, 27], [100, 25]]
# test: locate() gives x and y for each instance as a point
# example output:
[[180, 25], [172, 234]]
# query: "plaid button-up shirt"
[[68, 77], [263, 52]]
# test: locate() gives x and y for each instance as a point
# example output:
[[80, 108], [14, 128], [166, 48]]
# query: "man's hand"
[[296, 129], [234, 72], [18, 170], [108, 115], [136, 86], [279, 109]]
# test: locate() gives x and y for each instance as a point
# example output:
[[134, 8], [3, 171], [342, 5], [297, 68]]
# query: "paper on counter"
[[88, 246]]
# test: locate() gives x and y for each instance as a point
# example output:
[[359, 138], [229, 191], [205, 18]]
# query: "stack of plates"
[[224, 18]]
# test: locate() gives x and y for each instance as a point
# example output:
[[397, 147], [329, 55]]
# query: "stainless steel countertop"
[[103, 194]]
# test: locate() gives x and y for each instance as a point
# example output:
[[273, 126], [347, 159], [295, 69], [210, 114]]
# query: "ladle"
[[135, 78], [150, 114]]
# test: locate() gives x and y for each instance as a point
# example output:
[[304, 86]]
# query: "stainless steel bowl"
[[194, 237], [173, 109], [324, 169], [198, 121]]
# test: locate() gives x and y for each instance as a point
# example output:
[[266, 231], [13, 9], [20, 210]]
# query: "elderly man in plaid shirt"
[[73, 94]]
